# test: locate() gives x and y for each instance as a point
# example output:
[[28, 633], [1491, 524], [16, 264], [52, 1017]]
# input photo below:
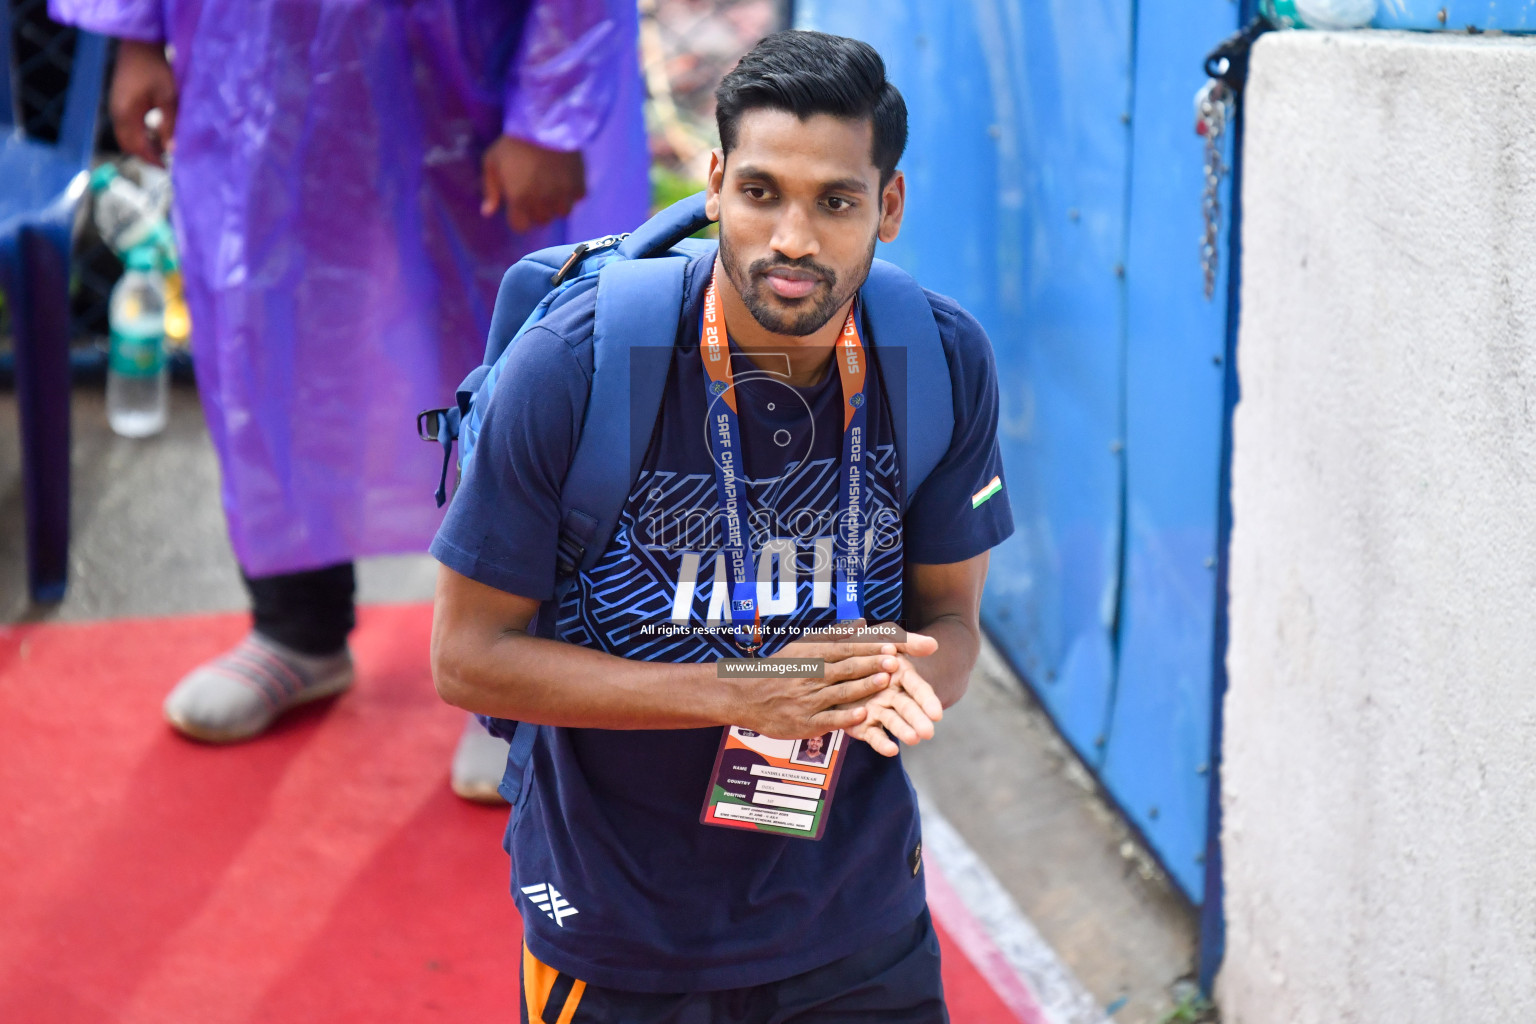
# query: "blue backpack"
[[639, 282]]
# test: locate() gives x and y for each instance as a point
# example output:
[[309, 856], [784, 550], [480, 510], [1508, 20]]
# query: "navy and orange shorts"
[[893, 981]]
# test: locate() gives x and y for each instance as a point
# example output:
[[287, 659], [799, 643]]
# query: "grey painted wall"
[[1380, 750]]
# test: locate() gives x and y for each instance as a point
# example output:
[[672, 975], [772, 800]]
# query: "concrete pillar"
[[1380, 749]]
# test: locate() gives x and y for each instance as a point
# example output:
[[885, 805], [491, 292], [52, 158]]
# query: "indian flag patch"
[[993, 486]]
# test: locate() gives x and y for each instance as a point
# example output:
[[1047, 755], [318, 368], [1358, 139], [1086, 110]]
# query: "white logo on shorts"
[[548, 899]]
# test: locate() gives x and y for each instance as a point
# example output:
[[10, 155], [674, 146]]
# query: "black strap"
[[1229, 60]]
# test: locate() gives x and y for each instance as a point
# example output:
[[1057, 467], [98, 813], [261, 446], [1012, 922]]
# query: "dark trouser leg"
[[309, 612], [37, 285]]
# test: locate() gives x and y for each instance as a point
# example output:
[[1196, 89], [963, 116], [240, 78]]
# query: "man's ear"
[[893, 202], [713, 184]]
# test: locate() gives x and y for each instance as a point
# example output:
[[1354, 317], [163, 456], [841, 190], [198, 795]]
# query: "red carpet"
[[323, 873]]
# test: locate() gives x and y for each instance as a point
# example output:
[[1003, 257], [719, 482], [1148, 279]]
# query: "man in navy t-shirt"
[[637, 905]]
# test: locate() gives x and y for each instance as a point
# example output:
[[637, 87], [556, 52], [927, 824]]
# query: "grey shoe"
[[238, 695], [478, 764]]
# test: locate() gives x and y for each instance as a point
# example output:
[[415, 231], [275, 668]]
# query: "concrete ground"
[[1012, 788], [149, 540]]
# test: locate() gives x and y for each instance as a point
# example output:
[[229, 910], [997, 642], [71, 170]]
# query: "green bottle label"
[[1283, 13], [136, 355]]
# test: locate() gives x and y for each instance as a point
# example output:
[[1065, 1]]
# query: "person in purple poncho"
[[351, 181]]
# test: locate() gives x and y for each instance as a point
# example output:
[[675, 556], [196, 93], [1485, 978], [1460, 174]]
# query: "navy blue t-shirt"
[[618, 882]]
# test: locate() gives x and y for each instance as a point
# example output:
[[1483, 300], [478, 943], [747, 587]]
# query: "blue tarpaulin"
[[1055, 184]]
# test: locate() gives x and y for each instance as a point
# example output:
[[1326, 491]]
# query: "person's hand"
[[537, 185], [795, 708], [143, 82], [906, 709]]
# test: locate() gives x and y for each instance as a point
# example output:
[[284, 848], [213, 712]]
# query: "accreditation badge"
[[783, 787]]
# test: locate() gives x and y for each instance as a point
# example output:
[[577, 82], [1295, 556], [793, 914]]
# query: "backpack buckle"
[[429, 424], [576, 531], [568, 554], [442, 426]]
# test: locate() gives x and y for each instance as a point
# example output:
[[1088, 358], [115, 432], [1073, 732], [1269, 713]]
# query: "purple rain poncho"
[[338, 272]]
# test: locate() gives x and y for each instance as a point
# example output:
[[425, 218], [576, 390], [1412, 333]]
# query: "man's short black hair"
[[808, 73]]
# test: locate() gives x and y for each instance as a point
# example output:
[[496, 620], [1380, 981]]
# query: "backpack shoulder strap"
[[639, 303], [918, 382]]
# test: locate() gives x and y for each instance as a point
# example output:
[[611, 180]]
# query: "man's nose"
[[794, 236]]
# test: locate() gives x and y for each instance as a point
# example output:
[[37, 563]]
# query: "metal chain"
[[1213, 109]]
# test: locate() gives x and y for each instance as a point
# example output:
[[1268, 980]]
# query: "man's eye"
[[837, 204], [755, 192]]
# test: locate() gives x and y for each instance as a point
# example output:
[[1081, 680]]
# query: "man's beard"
[[751, 285]]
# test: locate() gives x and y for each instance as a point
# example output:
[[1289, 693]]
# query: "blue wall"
[[1054, 189]]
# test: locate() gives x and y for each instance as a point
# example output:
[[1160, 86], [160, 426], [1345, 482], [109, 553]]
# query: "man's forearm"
[[948, 670], [530, 679], [484, 660]]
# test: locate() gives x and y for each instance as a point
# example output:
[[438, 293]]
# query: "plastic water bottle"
[[138, 379], [125, 215], [130, 216], [155, 183], [1323, 14]]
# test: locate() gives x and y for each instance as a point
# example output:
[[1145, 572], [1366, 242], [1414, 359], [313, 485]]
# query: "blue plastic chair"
[[40, 186]]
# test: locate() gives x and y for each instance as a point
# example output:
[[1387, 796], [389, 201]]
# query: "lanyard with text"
[[730, 468]]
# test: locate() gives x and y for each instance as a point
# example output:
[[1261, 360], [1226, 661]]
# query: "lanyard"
[[730, 469]]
